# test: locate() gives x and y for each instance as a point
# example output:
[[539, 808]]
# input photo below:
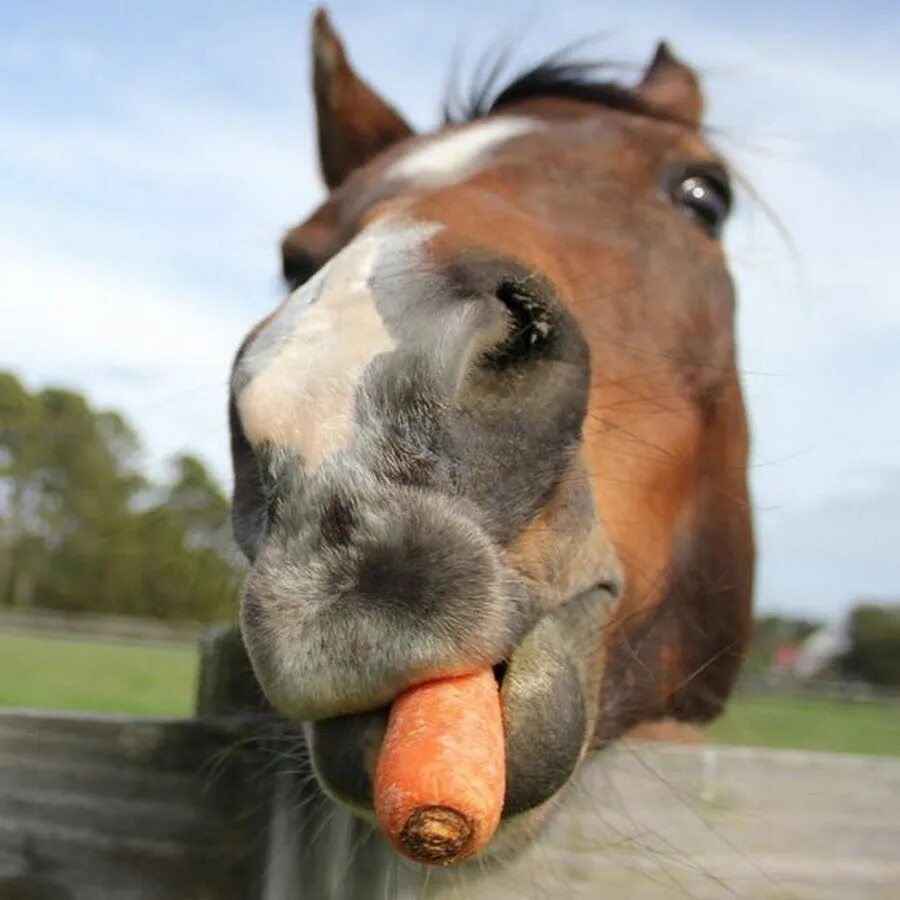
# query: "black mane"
[[556, 76]]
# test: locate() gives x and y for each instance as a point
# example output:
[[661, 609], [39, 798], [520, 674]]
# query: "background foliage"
[[81, 528], [874, 653]]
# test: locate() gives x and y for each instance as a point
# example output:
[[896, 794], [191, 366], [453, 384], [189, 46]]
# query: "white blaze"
[[296, 381], [452, 157]]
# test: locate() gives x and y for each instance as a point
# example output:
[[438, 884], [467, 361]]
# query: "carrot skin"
[[441, 774]]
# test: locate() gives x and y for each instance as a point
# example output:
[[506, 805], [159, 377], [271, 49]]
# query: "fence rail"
[[105, 807], [818, 689], [113, 808], [129, 629]]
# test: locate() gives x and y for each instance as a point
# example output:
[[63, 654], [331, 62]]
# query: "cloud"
[[148, 167], [818, 559], [161, 356]]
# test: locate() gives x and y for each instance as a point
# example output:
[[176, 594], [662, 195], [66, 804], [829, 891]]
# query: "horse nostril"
[[531, 319], [532, 307]]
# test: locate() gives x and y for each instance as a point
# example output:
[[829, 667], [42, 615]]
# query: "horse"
[[497, 421]]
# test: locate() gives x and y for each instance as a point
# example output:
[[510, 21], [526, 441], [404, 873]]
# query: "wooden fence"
[[110, 808], [81, 626]]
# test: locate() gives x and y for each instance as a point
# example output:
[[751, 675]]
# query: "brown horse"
[[497, 421]]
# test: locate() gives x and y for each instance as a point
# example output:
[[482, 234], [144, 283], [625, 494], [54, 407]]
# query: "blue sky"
[[153, 152]]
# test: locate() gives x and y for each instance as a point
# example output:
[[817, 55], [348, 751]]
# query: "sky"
[[153, 153]]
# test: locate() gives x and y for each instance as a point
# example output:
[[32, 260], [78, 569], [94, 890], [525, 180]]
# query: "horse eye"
[[705, 198]]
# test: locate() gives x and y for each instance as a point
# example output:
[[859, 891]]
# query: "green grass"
[[106, 677], [802, 723], [96, 676]]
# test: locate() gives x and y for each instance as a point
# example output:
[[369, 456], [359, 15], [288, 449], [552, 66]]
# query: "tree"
[[191, 557], [82, 529], [874, 654], [771, 632]]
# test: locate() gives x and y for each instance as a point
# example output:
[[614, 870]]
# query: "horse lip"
[[551, 681], [344, 750]]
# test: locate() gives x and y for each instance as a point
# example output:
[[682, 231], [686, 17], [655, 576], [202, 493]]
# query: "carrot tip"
[[436, 835]]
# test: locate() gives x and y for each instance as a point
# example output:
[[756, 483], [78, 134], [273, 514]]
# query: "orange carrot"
[[441, 774]]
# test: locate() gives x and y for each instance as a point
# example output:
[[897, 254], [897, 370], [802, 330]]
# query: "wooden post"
[[227, 684]]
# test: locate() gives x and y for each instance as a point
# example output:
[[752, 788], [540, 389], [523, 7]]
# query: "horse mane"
[[557, 76]]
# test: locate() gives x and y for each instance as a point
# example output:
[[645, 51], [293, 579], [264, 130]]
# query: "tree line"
[[83, 528], [872, 653]]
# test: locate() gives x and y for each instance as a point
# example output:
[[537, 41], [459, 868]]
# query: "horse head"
[[497, 421]]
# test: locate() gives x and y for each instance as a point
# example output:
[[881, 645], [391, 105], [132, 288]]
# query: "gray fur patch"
[[382, 560], [416, 591]]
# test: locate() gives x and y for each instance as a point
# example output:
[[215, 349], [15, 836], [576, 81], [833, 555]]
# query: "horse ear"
[[354, 123], [672, 87]]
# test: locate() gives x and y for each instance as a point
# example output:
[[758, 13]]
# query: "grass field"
[[841, 726], [95, 676], [106, 677]]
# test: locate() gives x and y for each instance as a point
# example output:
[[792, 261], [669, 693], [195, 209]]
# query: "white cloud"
[[840, 548], [137, 238], [160, 356]]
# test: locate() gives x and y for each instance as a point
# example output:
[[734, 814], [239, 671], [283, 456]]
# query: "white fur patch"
[[452, 157], [296, 381]]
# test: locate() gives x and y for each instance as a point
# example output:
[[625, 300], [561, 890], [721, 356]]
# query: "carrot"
[[441, 774]]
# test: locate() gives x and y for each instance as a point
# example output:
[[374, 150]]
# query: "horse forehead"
[[453, 156], [295, 380]]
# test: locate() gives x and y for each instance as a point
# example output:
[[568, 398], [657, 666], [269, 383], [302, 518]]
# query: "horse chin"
[[549, 692]]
